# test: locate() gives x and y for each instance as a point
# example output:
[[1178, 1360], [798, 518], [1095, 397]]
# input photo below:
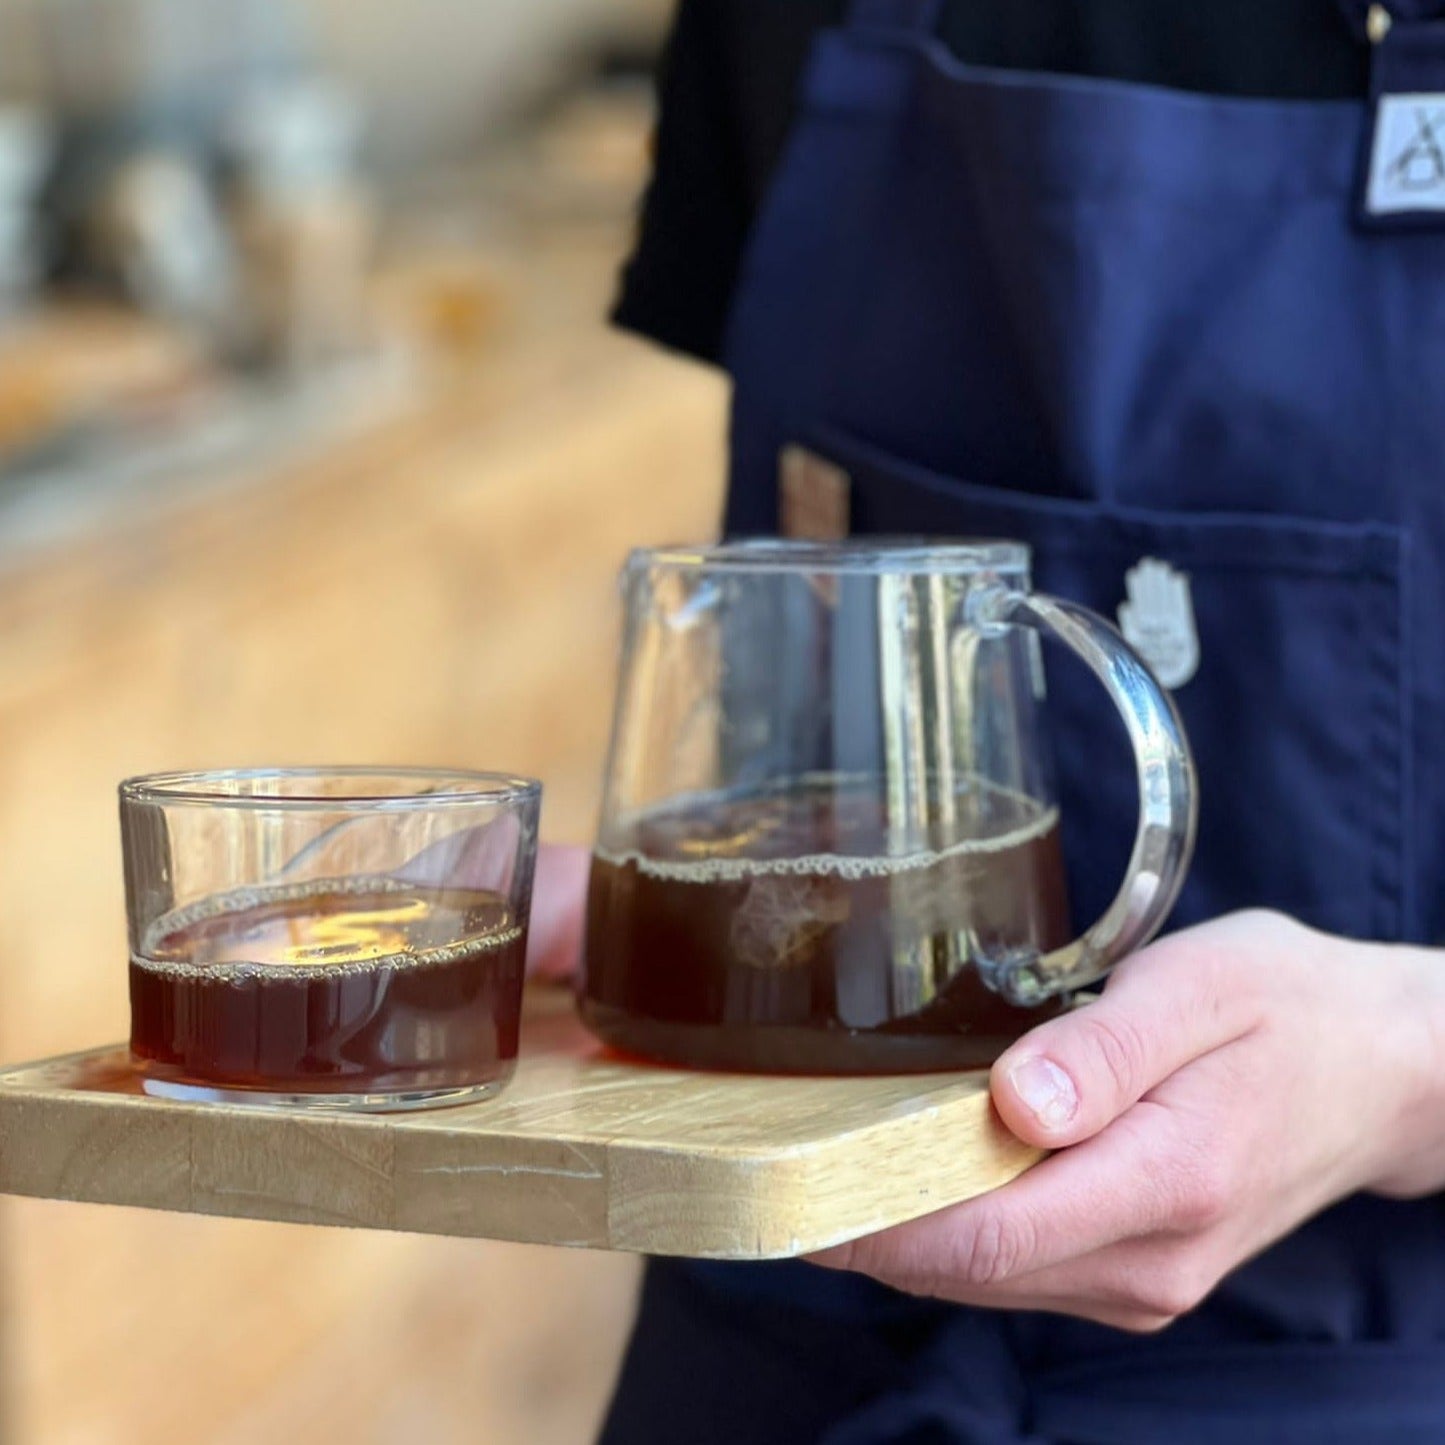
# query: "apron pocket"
[[1293, 697]]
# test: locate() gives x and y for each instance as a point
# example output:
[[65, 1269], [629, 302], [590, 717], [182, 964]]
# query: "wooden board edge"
[[810, 1196], [357, 1171]]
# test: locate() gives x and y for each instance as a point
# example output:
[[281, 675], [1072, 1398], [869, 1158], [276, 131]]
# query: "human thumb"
[[1073, 1076]]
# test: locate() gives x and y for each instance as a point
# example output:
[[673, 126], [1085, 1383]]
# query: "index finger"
[[559, 906]]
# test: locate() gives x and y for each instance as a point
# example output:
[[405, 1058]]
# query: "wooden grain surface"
[[582, 1149]]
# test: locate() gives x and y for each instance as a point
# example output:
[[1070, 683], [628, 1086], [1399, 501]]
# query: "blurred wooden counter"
[[433, 588]]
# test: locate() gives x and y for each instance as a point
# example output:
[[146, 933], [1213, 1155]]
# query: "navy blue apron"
[[1119, 323]]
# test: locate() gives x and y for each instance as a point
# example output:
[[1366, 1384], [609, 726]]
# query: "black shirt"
[[731, 68]]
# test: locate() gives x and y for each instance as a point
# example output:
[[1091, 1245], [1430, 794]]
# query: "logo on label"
[[1407, 160], [1157, 620]]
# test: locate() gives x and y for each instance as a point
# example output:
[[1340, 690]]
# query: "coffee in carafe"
[[778, 932]]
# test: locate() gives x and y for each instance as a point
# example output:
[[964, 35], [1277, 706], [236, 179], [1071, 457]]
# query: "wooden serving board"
[[582, 1148]]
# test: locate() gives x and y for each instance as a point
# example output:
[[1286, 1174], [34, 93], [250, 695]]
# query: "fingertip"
[[554, 935], [1036, 1097], [568, 860]]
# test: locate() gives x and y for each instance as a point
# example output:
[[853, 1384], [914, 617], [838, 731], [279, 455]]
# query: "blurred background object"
[[25, 152], [313, 447]]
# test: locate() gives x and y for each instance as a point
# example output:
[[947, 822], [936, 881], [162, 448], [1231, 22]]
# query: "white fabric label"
[[1407, 159]]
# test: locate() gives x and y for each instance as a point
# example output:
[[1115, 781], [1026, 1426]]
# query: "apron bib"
[[1149, 334]]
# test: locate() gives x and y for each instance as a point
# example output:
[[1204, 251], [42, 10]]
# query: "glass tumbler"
[[345, 938]]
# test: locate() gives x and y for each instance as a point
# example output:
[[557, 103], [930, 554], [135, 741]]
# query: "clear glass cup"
[[829, 840], [342, 938]]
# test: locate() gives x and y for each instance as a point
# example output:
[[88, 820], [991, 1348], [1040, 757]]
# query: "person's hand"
[[559, 902], [1232, 1081]]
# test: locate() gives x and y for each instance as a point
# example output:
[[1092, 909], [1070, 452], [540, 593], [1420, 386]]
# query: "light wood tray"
[[581, 1149]]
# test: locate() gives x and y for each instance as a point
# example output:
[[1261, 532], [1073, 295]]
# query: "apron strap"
[[912, 16], [1369, 19], [922, 15]]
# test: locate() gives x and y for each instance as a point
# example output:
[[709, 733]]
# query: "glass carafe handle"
[[1168, 799]]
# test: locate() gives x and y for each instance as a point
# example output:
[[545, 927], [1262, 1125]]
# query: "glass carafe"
[[829, 839]]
